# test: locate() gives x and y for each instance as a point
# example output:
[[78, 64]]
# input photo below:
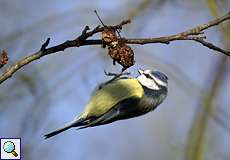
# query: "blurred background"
[[193, 123]]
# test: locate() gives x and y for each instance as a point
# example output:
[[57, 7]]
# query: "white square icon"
[[10, 148]]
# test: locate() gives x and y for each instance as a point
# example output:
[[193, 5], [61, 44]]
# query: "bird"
[[123, 98]]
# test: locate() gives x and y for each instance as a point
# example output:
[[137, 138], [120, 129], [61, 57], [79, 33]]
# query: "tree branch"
[[194, 34]]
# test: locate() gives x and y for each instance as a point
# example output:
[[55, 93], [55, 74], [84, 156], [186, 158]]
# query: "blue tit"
[[120, 99]]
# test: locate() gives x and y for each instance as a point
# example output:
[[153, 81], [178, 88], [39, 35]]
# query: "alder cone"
[[123, 54], [3, 59], [109, 35]]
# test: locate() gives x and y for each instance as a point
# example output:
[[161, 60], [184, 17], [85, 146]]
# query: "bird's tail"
[[77, 123]]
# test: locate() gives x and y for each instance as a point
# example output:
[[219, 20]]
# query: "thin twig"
[[45, 45], [212, 46], [82, 41]]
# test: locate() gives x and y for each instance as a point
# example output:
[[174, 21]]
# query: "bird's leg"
[[115, 76]]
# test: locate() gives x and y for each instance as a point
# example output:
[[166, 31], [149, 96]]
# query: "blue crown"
[[160, 75]]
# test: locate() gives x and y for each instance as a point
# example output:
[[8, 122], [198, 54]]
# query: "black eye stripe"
[[148, 76]]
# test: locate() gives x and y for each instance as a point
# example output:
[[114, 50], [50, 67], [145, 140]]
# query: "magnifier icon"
[[9, 147]]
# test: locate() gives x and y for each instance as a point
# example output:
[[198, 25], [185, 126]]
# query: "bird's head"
[[153, 79]]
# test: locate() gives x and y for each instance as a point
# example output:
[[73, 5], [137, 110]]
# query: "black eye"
[[148, 76]]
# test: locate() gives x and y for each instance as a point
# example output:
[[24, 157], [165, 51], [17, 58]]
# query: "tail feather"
[[51, 134], [66, 127]]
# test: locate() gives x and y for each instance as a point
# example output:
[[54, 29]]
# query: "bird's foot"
[[116, 75]]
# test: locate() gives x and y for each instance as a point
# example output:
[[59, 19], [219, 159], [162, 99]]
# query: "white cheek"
[[147, 82]]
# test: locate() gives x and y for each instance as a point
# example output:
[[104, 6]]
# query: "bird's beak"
[[140, 71]]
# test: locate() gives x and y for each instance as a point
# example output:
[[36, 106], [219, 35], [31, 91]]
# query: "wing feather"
[[111, 94]]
